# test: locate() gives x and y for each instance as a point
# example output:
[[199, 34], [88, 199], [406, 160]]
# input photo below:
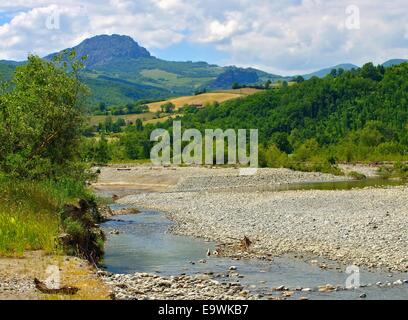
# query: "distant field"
[[95, 120], [243, 91], [148, 118], [162, 119], [219, 96]]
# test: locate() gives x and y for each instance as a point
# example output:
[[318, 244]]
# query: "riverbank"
[[17, 277], [123, 180], [365, 227]]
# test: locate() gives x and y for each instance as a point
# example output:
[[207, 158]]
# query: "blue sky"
[[280, 36], [7, 16]]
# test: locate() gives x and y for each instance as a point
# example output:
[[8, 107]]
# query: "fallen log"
[[40, 286]]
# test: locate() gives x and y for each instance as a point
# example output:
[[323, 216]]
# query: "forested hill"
[[354, 115]]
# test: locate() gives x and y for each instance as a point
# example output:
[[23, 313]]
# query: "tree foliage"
[[41, 119]]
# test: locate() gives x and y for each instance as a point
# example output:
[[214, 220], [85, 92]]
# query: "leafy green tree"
[[41, 118], [333, 73], [168, 107], [102, 107], [235, 86], [369, 71], [102, 153], [299, 79], [139, 125]]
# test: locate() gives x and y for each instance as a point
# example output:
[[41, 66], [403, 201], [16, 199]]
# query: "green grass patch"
[[30, 214]]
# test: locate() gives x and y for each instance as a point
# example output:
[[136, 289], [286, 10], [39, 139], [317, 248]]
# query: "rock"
[[327, 288], [288, 294], [280, 288], [125, 211], [232, 268], [307, 290], [363, 296], [244, 293], [398, 283]]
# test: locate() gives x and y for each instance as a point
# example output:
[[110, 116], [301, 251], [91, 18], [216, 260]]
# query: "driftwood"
[[64, 290], [246, 243]]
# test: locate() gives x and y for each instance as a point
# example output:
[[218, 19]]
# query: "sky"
[[284, 37]]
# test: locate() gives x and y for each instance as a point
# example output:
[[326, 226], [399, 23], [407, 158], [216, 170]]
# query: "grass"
[[95, 120], [357, 175], [30, 214], [399, 170], [204, 98]]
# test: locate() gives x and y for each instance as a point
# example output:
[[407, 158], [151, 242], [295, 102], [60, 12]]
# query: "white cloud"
[[282, 36]]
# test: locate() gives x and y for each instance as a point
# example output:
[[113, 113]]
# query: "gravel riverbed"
[[365, 227], [143, 286]]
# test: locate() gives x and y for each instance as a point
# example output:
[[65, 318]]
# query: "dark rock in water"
[[115, 232]]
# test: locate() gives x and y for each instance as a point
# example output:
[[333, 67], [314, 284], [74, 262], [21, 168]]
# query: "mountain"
[[103, 49], [242, 76], [394, 62], [119, 71], [324, 72]]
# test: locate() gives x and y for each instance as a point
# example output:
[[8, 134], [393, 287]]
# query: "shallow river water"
[[144, 245]]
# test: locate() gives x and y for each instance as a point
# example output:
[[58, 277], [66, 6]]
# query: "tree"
[[41, 118], [102, 107], [102, 152], [333, 73], [139, 125], [369, 71], [299, 79], [168, 107]]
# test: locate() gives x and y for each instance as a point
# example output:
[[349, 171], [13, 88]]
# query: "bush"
[[357, 176], [41, 120]]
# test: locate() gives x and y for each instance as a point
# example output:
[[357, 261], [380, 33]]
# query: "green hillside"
[[358, 115], [6, 71], [119, 71]]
